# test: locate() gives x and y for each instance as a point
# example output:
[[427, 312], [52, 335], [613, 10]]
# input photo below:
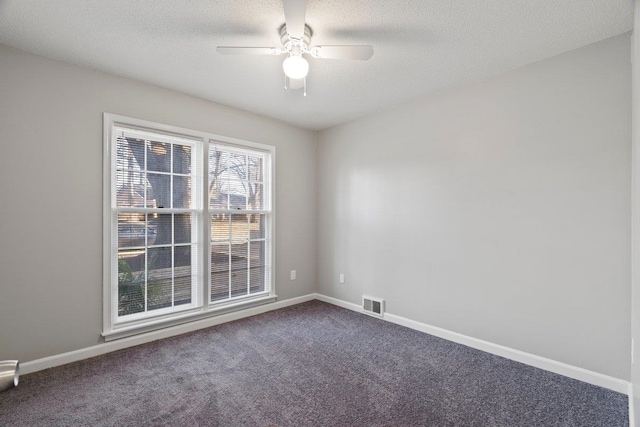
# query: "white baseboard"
[[108, 347], [570, 371], [339, 302], [595, 378]]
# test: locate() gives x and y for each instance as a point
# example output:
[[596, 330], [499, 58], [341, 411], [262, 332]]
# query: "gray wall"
[[635, 261], [499, 210], [51, 194]]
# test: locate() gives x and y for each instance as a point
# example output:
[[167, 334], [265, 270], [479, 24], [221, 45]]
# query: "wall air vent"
[[373, 306]]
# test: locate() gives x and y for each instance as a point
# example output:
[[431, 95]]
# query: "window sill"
[[127, 331]]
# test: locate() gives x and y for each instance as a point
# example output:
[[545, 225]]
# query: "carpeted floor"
[[313, 364]]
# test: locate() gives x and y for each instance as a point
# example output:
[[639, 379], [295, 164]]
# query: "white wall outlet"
[[341, 278], [293, 275]]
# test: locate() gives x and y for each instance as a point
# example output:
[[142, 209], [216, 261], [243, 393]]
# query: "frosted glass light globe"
[[295, 67]]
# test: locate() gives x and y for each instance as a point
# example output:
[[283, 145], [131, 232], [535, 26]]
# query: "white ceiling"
[[421, 46]]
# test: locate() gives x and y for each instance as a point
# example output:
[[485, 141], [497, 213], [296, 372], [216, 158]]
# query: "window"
[[188, 232], [238, 215]]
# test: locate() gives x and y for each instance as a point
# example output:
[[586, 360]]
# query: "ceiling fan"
[[295, 36]]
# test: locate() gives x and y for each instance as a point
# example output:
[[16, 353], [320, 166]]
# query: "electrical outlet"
[[341, 278], [293, 275]]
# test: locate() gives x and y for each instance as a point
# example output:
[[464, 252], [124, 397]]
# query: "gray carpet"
[[309, 365]]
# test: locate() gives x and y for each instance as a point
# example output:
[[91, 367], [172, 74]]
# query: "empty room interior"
[[319, 213]]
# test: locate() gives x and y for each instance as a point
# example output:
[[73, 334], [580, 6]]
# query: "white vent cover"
[[373, 306]]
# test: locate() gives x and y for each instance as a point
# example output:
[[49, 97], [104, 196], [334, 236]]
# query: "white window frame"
[[265, 210], [114, 328]]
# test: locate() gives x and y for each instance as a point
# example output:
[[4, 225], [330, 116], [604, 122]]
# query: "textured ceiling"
[[421, 46]]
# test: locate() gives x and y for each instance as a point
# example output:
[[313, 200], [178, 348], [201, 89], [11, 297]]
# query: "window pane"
[[159, 227], [237, 201], [147, 190], [239, 283], [220, 227], [255, 168], [131, 281], [182, 275], [237, 167], [257, 226], [129, 153], [239, 227], [257, 279], [239, 269], [131, 230], [218, 162], [159, 278], [219, 271], [182, 228], [158, 191], [129, 188], [152, 234], [257, 255], [217, 199], [218, 175], [158, 156], [255, 196], [181, 159], [181, 192], [237, 191]]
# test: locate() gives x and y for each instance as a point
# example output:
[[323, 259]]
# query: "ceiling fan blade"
[[294, 14], [362, 53], [230, 50]]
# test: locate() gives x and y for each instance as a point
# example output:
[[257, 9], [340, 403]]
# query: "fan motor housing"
[[284, 35]]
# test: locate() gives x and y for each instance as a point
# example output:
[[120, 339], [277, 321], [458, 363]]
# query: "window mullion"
[[230, 258], [143, 174], [248, 250], [173, 230], [173, 260], [205, 217], [146, 278]]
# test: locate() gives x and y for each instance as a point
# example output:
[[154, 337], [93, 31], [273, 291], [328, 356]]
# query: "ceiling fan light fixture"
[[295, 36], [295, 67]]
